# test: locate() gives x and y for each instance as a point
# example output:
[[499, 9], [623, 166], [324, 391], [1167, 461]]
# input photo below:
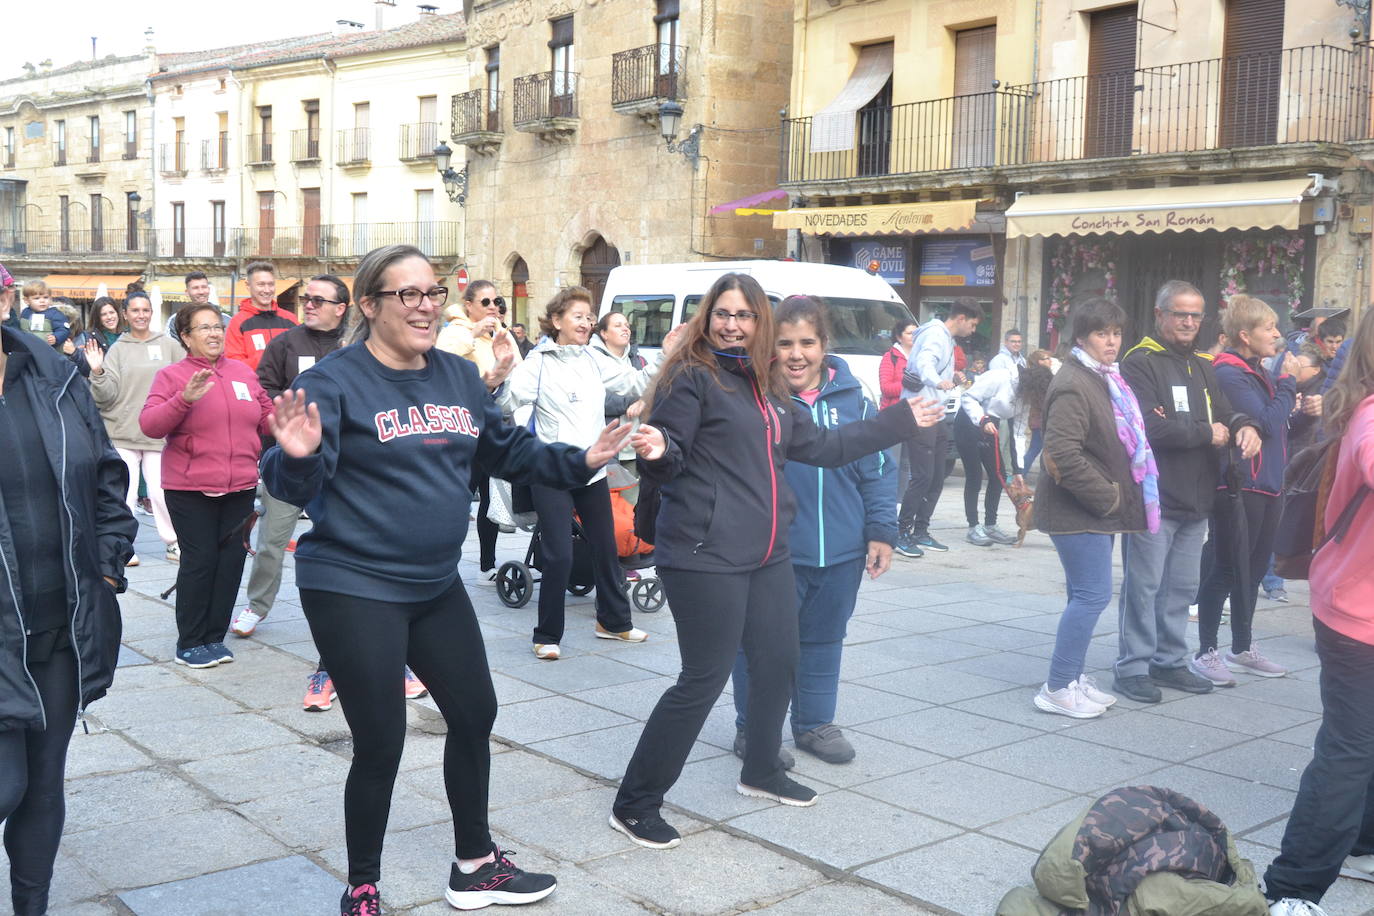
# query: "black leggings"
[[555, 509], [210, 532], [715, 614], [365, 645], [978, 452], [32, 804], [486, 528], [1261, 519]]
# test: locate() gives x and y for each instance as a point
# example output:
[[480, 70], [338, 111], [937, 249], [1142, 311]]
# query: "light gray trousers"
[[275, 528], [1160, 583]]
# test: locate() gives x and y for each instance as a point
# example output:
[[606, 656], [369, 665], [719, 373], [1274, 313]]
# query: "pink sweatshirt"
[[212, 445], [1342, 576]]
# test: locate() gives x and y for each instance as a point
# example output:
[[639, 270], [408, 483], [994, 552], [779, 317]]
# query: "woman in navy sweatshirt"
[[381, 458]]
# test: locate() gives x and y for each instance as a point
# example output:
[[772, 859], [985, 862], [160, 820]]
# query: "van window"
[[862, 326], [650, 317], [691, 303]]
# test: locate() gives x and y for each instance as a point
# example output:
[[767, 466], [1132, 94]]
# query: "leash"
[[246, 530]]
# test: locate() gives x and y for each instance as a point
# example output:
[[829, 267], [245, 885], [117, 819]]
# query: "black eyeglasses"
[[499, 302], [724, 317], [318, 301], [410, 296]]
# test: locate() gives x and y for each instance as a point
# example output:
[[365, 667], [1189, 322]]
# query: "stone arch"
[[597, 258]]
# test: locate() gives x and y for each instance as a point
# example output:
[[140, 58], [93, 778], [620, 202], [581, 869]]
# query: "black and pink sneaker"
[[363, 900], [496, 882]]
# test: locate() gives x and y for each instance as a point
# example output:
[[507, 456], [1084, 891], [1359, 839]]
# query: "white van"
[[658, 297]]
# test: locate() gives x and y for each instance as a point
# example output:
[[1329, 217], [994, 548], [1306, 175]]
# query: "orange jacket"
[[250, 331]]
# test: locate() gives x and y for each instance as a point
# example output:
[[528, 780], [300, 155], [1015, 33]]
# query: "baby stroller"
[[515, 579]]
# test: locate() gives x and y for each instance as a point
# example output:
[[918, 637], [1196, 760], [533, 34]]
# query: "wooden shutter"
[[1251, 71], [1109, 115], [975, 108]]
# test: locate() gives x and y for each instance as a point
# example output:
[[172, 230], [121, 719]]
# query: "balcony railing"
[[1307, 94], [305, 145], [130, 149], [259, 150], [93, 154], [649, 74], [172, 159], [69, 242], [355, 146], [544, 98], [419, 140], [60, 156], [8, 159], [476, 112], [214, 154]]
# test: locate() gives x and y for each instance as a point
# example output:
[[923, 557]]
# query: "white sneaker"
[[633, 634], [1293, 906], [548, 653], [1361, 868], [246, 622], [133, 560], [174, 553], [1088, 685], [1254, 661], [1067, 701], [1192, 613]]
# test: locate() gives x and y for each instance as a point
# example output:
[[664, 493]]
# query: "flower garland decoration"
[[1073, 257], [1273, 255]]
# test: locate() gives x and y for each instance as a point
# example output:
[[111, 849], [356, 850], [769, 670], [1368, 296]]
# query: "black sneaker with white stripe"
[[650, 830], [496, 882], [781, 788]]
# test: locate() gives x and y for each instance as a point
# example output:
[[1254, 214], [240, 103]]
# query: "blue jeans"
[[826, 597], [1037, 442], [1271, 582], [1087, 562]]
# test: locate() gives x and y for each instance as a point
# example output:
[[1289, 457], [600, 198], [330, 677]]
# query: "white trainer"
[[548, 653], [1295, 906], [1088, 685], [633, 634], [245, 623], [1067, 701]]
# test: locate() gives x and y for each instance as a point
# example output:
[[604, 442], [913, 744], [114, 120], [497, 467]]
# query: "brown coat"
[[1087, 485]]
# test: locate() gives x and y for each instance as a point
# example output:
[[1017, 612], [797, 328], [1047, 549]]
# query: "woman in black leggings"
[[722, 426], [381, 457]]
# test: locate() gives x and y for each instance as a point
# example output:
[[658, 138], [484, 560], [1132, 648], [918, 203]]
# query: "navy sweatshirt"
[[387, 491]]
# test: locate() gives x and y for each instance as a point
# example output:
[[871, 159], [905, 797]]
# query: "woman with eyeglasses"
[[567, 382], [722, 426], [213, 414], [470, 333], [380, 457]]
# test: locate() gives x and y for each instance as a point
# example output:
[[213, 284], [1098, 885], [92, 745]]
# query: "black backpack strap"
[[1346, 518]]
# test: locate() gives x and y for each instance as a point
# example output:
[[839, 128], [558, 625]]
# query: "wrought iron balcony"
[[476, 120], [418, 140], [305, 145], [355, 146], [643, 78], [546, 104], [258, 153], [172, 160], [214, 154]]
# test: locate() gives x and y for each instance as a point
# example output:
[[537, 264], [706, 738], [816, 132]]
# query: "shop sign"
[[891, 260], [958, 262]]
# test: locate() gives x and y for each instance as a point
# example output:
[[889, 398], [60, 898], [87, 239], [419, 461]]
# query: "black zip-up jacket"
[[97, 533], [281, 361], [725, 504], [1181, 439]]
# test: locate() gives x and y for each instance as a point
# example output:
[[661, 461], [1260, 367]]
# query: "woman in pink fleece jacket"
[[1331, 829], [213, 413]]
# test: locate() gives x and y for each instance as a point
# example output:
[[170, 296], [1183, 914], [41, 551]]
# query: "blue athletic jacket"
[[839, 510], [1269, 402]]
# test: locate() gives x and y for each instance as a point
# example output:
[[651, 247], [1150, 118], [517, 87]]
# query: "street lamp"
[[669, 120], [455, 183]]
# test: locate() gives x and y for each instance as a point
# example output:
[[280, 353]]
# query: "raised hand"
[[1290, 365], [503, 348], [95, 357], [671, 341], [925, 411], [607, 445], [296, 425], [648, 442], [197, 386]]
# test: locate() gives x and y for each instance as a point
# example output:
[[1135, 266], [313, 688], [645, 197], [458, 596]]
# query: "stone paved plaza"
[[211, 792]]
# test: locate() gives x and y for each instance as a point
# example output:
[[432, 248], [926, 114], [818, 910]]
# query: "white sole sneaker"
[[753, 792], [618, 827], [476, 900], [1045, 705]]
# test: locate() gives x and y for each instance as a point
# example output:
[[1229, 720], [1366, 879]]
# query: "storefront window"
[[1269, 267], [1081, 267]]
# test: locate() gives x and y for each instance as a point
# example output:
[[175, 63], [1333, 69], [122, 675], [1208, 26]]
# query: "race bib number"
[[154, 353], [1180, 398], [259, 342], [241, 391]]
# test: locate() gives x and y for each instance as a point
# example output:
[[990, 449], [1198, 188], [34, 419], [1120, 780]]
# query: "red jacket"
[[214, 444], [250, 331], [890, 369], [1342, 585]]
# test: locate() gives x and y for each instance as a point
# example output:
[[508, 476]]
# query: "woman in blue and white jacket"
[[846, 524]]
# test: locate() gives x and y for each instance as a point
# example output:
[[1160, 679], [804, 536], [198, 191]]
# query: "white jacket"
[[993, 392], [567, 385]]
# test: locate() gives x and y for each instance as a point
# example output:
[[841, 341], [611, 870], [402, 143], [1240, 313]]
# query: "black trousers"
[[978, 453], [715, 614], [1261, 518], [927, 451], [210, 532], [555, 510], [365, 645], [1333, 815], [486, 528], [32, 763]]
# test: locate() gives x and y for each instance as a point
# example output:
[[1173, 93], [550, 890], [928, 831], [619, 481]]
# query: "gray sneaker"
[[978, 536], [784, 755], [998, 536], [826, 742]]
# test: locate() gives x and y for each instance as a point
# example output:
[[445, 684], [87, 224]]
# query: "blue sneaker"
[[196, 657], [220, 651], [929, 543], [906, 545]]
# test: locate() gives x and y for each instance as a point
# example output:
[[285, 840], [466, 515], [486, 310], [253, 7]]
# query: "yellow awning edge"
[[881, 219], [1196, 208]]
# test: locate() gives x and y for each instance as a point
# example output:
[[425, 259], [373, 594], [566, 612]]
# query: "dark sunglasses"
[[318, 301], [499, 302]]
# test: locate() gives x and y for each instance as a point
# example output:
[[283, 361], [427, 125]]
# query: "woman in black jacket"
[[721, 428], [66, 533]]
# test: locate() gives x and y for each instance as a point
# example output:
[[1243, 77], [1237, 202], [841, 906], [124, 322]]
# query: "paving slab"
[[965, 874], [1061, 761], [233, 732], [846, 897], [551, 717], [947, 731], [102, 752], [290, 885], [267, 771], [963, 794], [120, 798]]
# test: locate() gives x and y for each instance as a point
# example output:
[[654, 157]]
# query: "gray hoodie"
[[123, 383]]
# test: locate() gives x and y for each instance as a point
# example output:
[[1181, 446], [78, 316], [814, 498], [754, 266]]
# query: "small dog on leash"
[[1023, 498]]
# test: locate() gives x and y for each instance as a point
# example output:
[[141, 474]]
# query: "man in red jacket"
[[259, 319]]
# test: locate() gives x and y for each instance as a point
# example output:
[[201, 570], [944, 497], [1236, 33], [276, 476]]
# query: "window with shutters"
[[178, 229], [1109, 109], [563, 60], [875, 133], [975, 102], [1252, 55]]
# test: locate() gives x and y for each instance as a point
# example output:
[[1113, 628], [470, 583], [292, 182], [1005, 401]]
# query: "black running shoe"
[[649, 830], [362, 900], [781, 788], [496, 882]]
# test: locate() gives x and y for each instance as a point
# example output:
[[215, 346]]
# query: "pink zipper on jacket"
[[772, 428]]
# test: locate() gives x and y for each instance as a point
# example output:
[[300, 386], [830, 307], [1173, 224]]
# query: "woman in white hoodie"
[[567, 382]]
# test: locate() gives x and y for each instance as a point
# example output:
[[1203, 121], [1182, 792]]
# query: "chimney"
[[380, 6], [428, 9]]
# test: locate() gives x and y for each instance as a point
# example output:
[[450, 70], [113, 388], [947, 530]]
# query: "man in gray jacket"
[[930, 374]]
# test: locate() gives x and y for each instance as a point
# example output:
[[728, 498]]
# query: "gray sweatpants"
[[1160, 583], [275, 528]]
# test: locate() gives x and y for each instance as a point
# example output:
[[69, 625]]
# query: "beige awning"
[[833, 127], [883, 219], [1245, 205]]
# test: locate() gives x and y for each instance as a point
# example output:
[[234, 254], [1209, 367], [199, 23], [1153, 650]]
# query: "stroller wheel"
[[514, 584], [647, 595], [579, 590]]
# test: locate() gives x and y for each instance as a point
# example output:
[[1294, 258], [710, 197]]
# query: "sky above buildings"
[[62, 31]]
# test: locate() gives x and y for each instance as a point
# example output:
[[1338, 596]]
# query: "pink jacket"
[[1342, 577], [212, 445]]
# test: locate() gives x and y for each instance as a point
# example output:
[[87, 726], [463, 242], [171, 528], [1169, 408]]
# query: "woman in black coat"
[[65, 533]]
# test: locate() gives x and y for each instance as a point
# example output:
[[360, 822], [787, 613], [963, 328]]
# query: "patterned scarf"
[[1130, 429]]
